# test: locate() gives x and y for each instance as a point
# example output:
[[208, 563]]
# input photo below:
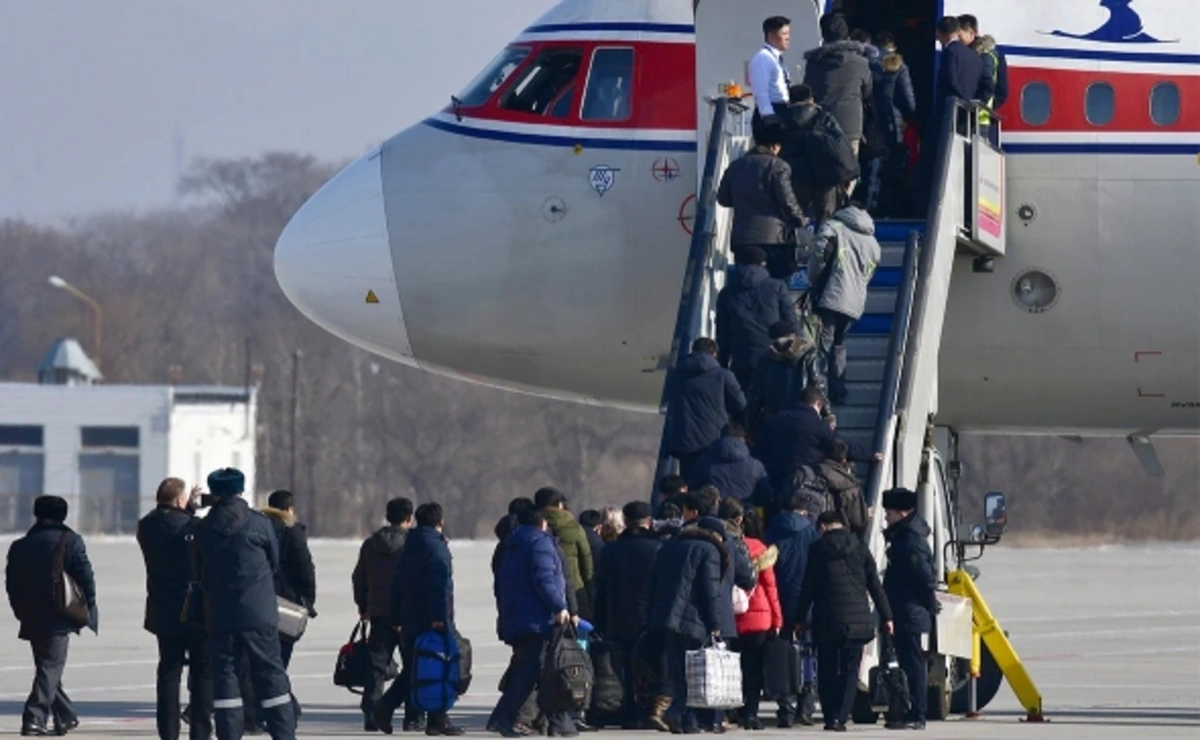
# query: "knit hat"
[[226, 482], [635, 511], [781, 329], [900, 499]]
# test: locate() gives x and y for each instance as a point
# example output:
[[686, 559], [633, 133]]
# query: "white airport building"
[[105, 448]]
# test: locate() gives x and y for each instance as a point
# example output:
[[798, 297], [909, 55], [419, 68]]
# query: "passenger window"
[[609, 86], [493, 77], [1035, 103], [1164, 104], [539, 86], [1101, 104]]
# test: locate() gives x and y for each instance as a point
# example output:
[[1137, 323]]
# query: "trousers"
[[911, 657], [381, 646], [173, 652], [47, 700], [837, 679], [526, 667], [401, 689], [271, 686], [834, 327]]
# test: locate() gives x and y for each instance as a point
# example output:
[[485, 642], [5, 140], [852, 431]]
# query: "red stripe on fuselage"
[[664, 87], [1068, 95]]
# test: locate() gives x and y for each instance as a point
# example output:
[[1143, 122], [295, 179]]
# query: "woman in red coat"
[[762, 620]]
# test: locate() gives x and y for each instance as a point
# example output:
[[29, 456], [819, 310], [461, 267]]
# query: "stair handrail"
[[689, 320]]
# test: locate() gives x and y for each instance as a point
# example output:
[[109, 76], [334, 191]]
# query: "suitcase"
[[783, 674], [714, 677]]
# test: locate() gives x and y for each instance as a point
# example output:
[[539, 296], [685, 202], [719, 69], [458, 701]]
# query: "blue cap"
[[226, 482]]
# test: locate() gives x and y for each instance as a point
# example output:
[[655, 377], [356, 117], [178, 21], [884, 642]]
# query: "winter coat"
[[686, 584], [728, 466], [623, 585], [798, 438], [840, 574], [817, 149], [909, 579], [165, 537], [238, 556], [846, 244], [960, 75], [840, 78], [985, 47], [530, 586], [29, 580], [894, 97], [793, 535], [758, 187], [781, 376], [296, 579], [746, 307], [376, 570], [845, 491], [423, 588], [579, 564], [596, 548], [703, 396], [741, 574], [764, 613], [503, 529]]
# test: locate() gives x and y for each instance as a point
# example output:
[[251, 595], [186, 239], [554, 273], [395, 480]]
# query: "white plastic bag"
[[714, 677]]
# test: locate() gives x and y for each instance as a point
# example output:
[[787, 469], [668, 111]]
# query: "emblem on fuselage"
[[1124, 26], [602, 178]]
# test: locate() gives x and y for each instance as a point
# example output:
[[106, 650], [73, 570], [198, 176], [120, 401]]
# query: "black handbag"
[[888, 684], [352, 669], [69, 599], [782, 668]]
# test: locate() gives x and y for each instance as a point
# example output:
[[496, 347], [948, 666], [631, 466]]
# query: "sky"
[[100, 100]]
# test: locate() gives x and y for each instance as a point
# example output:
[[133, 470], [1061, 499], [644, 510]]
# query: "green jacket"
[[575, 544]]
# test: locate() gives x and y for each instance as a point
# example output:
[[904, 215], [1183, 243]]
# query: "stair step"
[[864, 437], [882, 301], [860, 370], [863, 393], [855, 417], [869, 347]]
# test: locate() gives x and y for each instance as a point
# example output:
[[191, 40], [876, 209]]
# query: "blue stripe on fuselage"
[[566, 141]]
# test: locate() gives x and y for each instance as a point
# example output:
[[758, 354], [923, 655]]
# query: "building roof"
[[66, 354], [212, 394]]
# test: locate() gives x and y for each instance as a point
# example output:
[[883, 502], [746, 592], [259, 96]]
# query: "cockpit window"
[[610, 84], [493, 77], [541, 83]]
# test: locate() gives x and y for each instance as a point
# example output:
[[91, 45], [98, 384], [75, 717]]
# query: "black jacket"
[[238, 555], [596, 545], [816, 148], [780, 378], [797, 438], [840, 574], [702, 398], [894, 97], [623, 585], [296, 579], [376, 569], [423, 589], [685, 585], [29, 580], [746, 307], [840, 78], [758, 187], [793, 535], [909, 580], [960, 74], [165, 536], [729, 466]]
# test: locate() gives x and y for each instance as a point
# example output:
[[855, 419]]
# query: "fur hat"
[[900, 499], [781, 329], [226, 482]]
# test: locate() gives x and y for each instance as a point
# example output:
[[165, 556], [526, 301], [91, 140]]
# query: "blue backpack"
[[435, 677]]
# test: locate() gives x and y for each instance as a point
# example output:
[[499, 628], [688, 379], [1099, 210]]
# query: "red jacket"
[[764, 613]]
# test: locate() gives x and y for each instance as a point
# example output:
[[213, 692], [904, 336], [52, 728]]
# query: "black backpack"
[[567, 676], [828, 152], [608, 692]]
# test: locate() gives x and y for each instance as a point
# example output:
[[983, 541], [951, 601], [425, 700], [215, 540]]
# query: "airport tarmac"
[[1111, 636]]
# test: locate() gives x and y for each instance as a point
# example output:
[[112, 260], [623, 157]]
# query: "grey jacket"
[[758, 187], [847, 243], [840, 77]]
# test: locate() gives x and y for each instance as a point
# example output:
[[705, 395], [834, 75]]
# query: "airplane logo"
[[1124, 26], [602, 178], [665, 169]]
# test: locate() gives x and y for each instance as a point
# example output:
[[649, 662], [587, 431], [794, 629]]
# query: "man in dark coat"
[[960, 72], [30, 575], [165, 536], [840, 574], [749, 304], [702, 398], [782, 374], [840, 77], [758, 187], [372, 581], [798, 438], [422, 600], [729, 467], [238, 554], [792, 533], [818, 151], [911, 587], [844, 490], [531, 599], [296, 579], [622, 598], [591, 521]]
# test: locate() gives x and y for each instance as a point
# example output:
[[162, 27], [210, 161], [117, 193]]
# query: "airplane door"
[[729, 33]]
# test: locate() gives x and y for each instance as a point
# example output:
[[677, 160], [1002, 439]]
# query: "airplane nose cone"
[[334, 262]]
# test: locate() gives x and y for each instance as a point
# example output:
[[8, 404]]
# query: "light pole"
[[98, 319]]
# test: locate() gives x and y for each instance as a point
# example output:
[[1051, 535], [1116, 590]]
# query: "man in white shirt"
[[769, 78]]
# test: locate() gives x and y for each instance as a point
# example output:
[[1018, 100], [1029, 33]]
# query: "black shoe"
[[369, 723], [447, 729], [383, 720], [506, 731], [917, 725], [585, 727], [783, 721], [805, 720], [413, 725], [34, 729], [62, 728], [835, 727], [752, 723]]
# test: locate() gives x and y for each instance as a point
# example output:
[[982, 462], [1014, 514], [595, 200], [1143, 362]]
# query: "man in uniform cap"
[[909, 583], [238, 556]]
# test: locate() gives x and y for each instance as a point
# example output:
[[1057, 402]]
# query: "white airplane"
[[533, 234]]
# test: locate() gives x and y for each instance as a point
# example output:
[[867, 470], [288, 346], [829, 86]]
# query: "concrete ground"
[[1110, 635]]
